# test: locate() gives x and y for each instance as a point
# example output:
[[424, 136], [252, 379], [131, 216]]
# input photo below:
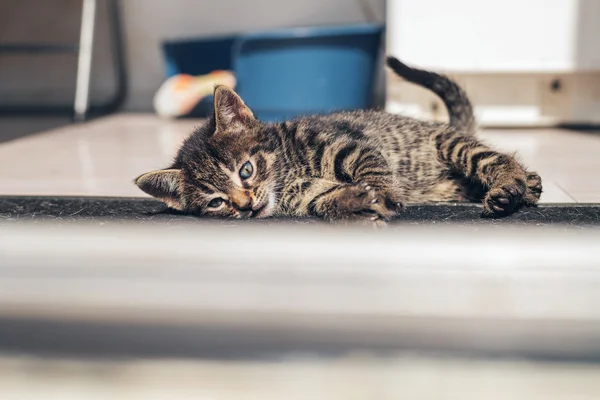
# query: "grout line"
[[565, 192]]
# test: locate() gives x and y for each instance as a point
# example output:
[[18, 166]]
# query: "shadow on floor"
[[12, 128]]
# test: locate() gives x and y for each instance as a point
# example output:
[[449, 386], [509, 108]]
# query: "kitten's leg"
[[509, 185], [364, 191], [352, 202]]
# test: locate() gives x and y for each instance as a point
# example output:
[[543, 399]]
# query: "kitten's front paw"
[[362, 202]]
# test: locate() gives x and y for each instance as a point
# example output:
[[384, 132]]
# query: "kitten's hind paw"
[[504, 198], [511, 193], [534, 189]]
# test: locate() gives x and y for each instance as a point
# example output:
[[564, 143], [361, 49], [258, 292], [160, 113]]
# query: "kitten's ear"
[[164, 184], [230, 108]]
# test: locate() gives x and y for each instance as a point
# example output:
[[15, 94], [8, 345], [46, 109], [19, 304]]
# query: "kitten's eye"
[[216, 203], [246, 170]]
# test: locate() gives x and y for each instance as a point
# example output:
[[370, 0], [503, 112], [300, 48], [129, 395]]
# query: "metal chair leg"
[[84, 60]]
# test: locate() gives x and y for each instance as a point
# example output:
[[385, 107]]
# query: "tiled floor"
[[103, 156]]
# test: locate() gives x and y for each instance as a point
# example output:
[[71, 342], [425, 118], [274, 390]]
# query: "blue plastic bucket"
[[301, 71], [290, 72], [198, 57]]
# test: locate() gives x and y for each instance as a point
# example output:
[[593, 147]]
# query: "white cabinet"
[[523, 62]]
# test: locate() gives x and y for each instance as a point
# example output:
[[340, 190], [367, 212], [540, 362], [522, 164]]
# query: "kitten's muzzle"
[[246, 205], [241, 201]]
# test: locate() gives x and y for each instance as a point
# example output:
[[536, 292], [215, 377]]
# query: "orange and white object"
[[179, 94]]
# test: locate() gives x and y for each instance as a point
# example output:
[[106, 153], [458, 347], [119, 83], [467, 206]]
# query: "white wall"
[[146, 23]]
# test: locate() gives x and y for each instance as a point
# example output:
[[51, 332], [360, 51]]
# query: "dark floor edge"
[[61, 209], [153, 201]]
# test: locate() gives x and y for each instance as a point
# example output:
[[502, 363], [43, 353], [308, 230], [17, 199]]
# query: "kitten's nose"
[[241, 201]]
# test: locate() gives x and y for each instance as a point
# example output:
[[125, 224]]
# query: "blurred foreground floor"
[[102, 157], [298, 312], [351, 377]]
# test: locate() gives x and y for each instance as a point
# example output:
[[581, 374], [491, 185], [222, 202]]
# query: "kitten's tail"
[[459, 107]]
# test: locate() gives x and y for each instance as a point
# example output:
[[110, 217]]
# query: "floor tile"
[[555, 194]]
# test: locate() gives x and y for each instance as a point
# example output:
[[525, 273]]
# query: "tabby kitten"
[[360, 165]]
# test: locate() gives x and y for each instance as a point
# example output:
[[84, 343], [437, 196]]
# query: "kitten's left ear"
[[230, 108], [165, 185]]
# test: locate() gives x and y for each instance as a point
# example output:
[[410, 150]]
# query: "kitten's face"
[[225, 169]]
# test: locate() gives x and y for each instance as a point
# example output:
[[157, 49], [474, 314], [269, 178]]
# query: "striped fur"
[[360, 165]]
